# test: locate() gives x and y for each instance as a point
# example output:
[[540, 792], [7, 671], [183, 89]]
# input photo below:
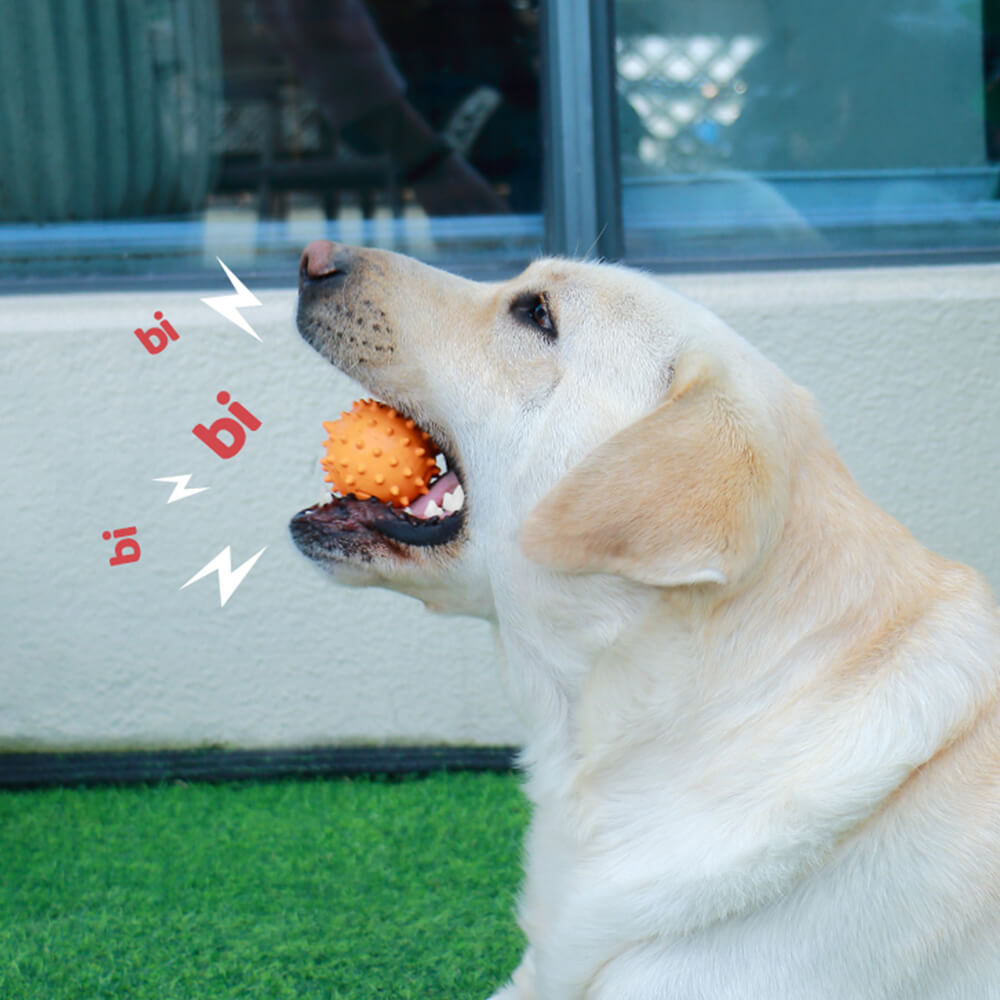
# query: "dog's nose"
[[323, 259]]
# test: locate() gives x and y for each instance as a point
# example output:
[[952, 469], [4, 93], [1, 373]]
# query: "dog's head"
[[596, 422]]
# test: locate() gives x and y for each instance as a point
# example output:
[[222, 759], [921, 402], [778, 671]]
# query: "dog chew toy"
[[373, 451]]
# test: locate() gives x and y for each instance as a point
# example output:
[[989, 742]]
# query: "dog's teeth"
[[453, 501], [442, 463], [432, 510]]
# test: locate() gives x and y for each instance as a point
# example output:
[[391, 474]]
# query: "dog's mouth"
[[351, 526]]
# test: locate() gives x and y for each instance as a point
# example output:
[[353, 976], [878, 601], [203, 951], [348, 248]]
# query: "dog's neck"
[[708, 661], [551, 638]]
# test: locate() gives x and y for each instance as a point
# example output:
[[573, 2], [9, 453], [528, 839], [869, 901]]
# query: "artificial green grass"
[[332, 889]]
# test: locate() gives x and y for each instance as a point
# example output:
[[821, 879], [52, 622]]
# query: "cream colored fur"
[[765, 738]]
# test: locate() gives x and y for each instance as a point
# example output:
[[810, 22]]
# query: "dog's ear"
[[689, 494]]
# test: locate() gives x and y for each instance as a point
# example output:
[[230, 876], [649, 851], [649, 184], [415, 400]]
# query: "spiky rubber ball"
[[373, 451]]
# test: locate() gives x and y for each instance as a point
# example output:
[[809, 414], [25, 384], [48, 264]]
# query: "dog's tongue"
[[446, 485]]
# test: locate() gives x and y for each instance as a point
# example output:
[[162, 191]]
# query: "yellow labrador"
[[765, 737]]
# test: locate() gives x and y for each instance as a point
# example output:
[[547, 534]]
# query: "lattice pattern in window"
[[686, 91]]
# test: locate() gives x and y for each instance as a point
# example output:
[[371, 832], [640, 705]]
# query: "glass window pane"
[[776, 128], [148, 137]]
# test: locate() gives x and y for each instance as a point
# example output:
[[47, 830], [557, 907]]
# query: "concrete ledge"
[[904, 362], [43, 770]]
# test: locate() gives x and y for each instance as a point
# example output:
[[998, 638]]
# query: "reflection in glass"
[[772, 128], [150, 136]]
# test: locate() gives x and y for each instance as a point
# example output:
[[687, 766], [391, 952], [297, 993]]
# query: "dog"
[[764, 734]]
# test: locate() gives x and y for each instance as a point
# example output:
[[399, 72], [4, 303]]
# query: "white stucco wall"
[[905, 364]]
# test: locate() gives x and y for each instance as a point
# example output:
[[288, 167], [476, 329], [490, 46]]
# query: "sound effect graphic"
[[225, 436]]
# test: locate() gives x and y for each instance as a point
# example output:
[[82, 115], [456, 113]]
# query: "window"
[[142, 139], [147, 137], [775, 128]]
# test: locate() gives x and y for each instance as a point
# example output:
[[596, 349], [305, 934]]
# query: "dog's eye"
[[532, 308], [540, 314]]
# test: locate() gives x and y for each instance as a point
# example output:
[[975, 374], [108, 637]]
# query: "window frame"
[[583, 212], [584, 189]]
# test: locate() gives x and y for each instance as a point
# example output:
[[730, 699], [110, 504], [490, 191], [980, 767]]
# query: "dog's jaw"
[[343, 315]]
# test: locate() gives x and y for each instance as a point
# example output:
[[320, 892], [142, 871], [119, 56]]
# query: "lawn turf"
[[333, 889]]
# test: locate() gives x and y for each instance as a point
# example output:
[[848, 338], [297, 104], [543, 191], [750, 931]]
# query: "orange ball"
[[374, 452]]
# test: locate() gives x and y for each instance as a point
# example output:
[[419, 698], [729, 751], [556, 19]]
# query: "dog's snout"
[[323, 260]]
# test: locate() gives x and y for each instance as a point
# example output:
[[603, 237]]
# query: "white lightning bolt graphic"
[[181, 491], [230, 305], [229, 578]]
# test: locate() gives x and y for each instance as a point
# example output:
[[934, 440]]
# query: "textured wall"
[[905, 364]]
